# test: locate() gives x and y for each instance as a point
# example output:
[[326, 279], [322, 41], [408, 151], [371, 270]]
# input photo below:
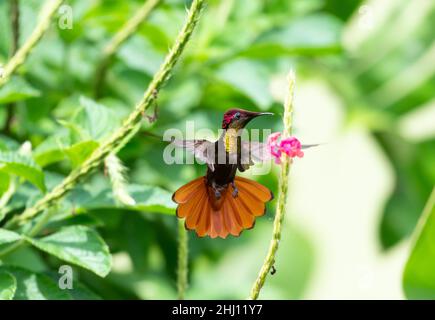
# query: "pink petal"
[[291, 147]]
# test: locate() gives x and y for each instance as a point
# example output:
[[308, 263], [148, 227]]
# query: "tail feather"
[[217, 227], [234, 216], [218, 218], [184, 193], [251, 204], [244, 214], [202, 229], [193, 219], [188, 208], [231, 221], [255, 189]]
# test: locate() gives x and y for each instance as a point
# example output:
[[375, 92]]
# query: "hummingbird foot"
[[217, 190], [235, 190]]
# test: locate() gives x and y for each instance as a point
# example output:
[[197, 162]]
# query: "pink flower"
[[290, 146]]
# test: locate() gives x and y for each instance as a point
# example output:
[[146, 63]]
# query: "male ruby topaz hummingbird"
[[221, 203]]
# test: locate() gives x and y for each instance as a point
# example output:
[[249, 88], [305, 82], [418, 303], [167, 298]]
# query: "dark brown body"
[[223, 173]]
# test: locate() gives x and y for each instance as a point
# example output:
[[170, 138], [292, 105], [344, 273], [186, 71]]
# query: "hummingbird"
[[222, 203]]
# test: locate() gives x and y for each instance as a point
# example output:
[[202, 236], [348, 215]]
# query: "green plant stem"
[[15, 27], [182, 260], [20, 56], [130, 125], [282, 196], [126, 31]]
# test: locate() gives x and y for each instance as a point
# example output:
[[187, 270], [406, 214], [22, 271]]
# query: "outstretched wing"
[[253, 152], [202, 149]]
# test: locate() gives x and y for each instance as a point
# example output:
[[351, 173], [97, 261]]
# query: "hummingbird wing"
[[253, 152], [202, 149]]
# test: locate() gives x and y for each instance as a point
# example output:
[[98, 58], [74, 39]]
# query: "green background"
[[365, 90]]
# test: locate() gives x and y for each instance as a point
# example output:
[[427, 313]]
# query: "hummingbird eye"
[[237, 115]]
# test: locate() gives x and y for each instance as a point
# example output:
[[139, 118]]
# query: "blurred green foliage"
[[238, 49], [418, 278]]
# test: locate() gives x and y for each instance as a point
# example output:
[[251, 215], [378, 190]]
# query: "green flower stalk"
[[15, 27], [126, 31], [282, 195], [47, 12], [182, 260], [124, 133]]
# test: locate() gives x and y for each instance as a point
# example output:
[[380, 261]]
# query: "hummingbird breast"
[[222, 175]]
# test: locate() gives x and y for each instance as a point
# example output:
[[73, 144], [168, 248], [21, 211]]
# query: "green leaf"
[[132, 55], [67, 218], [147, 198], [26, 257], [315, 31], [4, 182], [273, 50], [47, 157], [419, 274], [250, 78], [415, 174], [77, 133], [80, 151], [35, 286], [51, 149], [81, 292], [22, 166], [21, 197], [7, 143], [8, 286], [17, 89], [7, 236], [79, 245], [99, 120], [312, 35]]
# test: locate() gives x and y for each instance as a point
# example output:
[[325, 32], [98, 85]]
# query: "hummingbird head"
[[239, 118]]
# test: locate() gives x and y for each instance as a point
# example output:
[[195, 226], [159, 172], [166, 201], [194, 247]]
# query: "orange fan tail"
[[213, 217]]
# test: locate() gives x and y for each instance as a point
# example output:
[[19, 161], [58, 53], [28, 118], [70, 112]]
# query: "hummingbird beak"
[[253, 115]]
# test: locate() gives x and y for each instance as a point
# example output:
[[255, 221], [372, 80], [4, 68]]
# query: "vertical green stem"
[[282, 196], [20, 56], [15, 27], [126, 31], [182, 260]]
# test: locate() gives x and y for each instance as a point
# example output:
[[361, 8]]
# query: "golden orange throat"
[[230, 139]]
